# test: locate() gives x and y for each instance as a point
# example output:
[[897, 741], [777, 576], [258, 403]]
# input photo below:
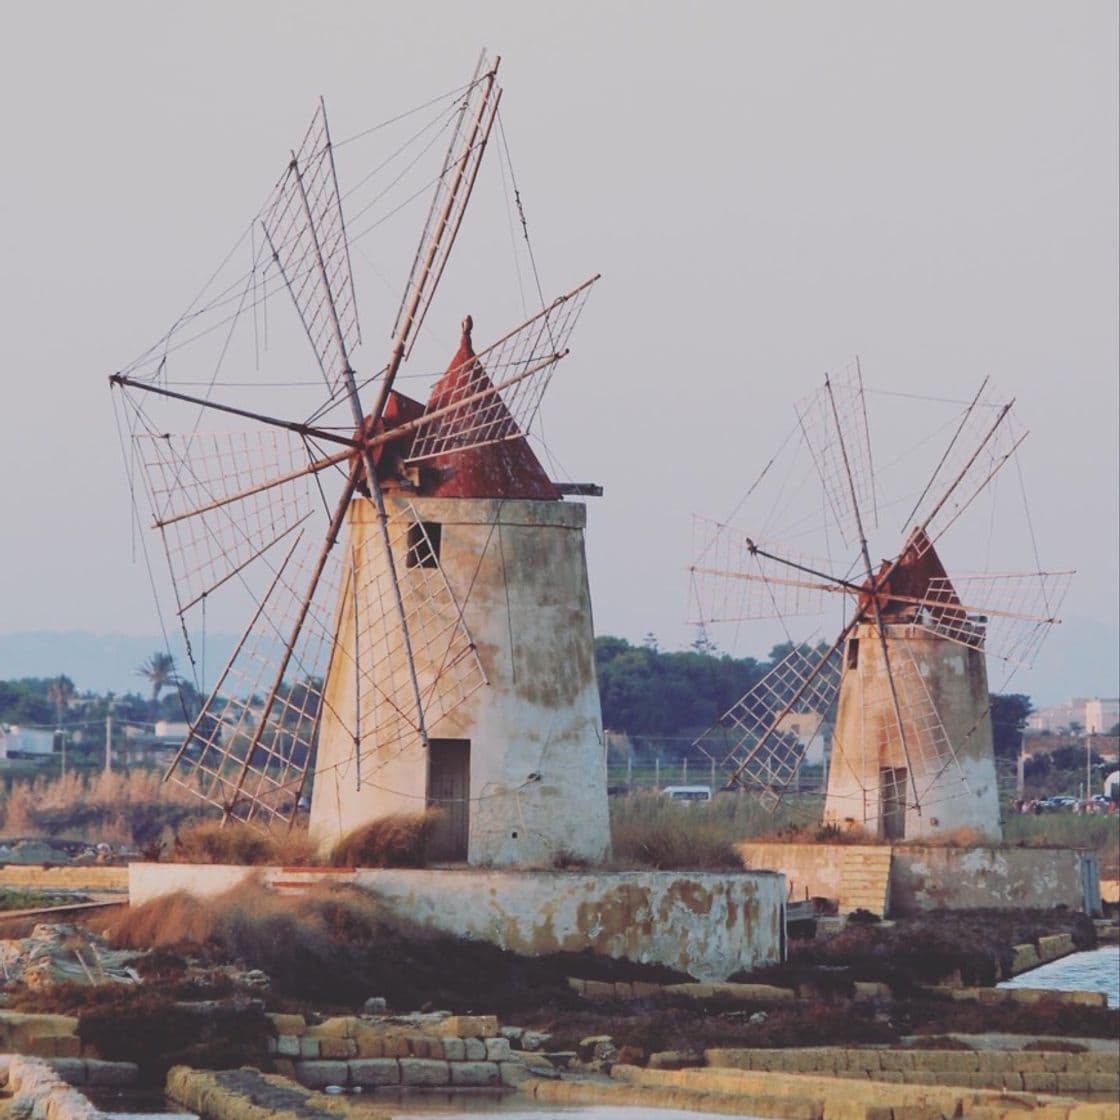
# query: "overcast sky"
[[768, 188]]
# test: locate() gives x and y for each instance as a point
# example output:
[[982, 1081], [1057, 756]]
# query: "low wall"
[[708, 925], [928, 877]]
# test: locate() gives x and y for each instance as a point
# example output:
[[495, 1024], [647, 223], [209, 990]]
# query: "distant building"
[[16, 741], [1093, 715]]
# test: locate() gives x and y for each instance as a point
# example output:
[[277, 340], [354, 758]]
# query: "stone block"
[[469, 1026], [371, 1073], [1104, 1083], [643, 989], [371, 1044], [1085, 999], [454, 1049], [1101, 1061], [577, 985], [425, 1071], [497, 1049], [342, 1026], [477, 1075], [1022, 958], [287, 1046], [871, 990], [596, 989], [1055, 945], [474, 1050], [1040, 1082], [897, 1060], [1011, 1079], [538, 1065], [421, 1046], [677, 1059], [1025, 995], [318, 1075], [395, 1046], [287, 1024], [111, 1075], [331, 1047], [623, 990], [308, 1048], [513, 1074], [70, 1070], [891, 1076], [1072, 1082]]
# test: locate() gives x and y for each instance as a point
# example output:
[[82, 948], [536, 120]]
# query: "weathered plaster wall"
[[925, 877], [538, 782], [708, 925], [929, 673], [928, 878]]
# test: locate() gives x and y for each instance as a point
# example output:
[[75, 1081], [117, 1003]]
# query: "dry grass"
[[398, 840], [212, 842], [123, 807], [648, 830]]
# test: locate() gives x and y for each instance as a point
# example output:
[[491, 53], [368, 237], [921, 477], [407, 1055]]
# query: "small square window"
[[423, 545]]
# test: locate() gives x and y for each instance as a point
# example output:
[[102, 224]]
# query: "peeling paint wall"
[[953, 680], [931, 878], [538, 779], [964, 878], [708, 925]]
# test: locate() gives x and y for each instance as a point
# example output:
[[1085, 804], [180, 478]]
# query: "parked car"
[[687, 793]]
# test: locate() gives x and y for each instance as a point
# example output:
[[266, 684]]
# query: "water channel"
[[1096, 970]]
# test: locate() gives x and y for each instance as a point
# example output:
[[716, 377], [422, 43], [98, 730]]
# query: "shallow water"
[[1097, 970]]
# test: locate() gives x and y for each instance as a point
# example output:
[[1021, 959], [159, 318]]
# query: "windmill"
[[419, 619], [902, 678]]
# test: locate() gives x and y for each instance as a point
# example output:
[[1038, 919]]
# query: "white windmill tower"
[[903, 684], [420, 621]]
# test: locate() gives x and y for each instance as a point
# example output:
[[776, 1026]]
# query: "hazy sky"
[[768, 188]]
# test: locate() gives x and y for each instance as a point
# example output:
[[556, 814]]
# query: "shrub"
[[398, 840], [236, 843]]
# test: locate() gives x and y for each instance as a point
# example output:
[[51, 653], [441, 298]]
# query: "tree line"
[[643, 690]]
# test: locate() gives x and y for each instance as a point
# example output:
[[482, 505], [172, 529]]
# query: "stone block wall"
[[426, 1052]]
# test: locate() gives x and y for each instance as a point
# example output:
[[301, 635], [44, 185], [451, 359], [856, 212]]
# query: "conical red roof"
[[507, 468], [918, 577]]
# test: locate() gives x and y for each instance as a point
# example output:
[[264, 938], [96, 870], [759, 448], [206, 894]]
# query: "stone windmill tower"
[[903, 685], [517, 765], [419, 618]]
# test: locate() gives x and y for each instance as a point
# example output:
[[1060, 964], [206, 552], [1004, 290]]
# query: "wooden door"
[[892, 802], [449, 790]]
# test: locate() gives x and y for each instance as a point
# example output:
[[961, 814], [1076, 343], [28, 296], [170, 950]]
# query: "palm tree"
[[160, 671], [59, 692]]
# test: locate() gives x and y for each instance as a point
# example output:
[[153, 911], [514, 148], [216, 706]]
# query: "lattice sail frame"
[[306, 233], [843, 466], [186, 477], [732, 581], [1018, 609], [762, 755], [251, 759]]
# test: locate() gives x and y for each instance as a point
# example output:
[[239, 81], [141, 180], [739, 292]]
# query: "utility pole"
[[108, 742], [1088, 766]]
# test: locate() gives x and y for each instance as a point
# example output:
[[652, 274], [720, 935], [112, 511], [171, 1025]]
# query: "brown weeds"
[[239, 844], [398, 840]]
